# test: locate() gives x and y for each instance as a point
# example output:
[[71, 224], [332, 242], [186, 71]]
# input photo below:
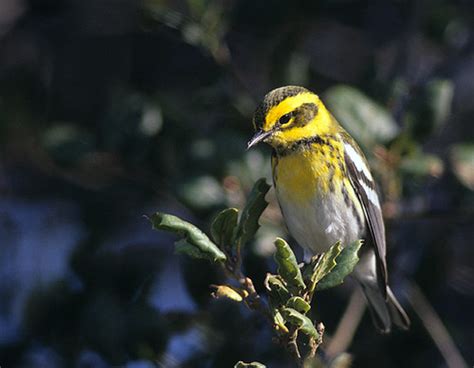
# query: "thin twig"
[[348, 324], [233, 270], [293, 348], [435, 327]]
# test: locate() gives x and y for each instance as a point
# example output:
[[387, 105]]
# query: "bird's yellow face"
[[288, 115]]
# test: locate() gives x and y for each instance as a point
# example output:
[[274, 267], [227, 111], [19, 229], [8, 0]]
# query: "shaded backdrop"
[[110, 110]]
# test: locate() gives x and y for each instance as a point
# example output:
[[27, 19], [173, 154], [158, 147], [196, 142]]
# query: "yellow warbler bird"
[[326, 191]]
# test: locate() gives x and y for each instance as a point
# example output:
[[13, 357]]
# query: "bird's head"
[[289, 114]]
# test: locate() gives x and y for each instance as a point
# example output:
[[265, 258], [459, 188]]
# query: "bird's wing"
[[364, 187]]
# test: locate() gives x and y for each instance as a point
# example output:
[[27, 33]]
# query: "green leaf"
[[325, 264], [226, 291], [249, 365], [367, 121], [277, 291], [462, 158], [298, 304], [256, 204], [303, 323], [195, 243], [287, 266], [223, 227], [279, 321], [183, 247], [345, 263]]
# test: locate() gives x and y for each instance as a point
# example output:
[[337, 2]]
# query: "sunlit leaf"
[[298, 304], [224, 225], [256, 204], [279, 321], [277, 291], [367, 121], [303, 323], [287, 265], [345, 263], [225, 291], [195, 243], [325, 264]]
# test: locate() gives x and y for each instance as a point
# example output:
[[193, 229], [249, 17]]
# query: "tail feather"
[[398, 315], [384, 312]]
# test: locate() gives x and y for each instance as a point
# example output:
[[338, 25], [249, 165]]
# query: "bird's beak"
[[258, 137]]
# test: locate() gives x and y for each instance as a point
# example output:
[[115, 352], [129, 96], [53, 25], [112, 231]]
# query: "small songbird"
[[326, 191]]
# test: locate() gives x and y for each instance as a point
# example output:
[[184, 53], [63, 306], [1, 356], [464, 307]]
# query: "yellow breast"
[[304, 174]]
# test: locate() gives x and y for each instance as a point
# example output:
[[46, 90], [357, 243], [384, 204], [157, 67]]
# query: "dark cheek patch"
[[305, 113]]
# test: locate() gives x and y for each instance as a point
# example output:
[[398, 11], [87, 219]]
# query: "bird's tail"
[[384, 312]]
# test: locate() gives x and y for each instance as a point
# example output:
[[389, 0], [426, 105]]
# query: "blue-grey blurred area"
[[112, 110]]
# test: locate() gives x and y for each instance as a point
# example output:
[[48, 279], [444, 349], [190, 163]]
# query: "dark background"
[[110, 110]]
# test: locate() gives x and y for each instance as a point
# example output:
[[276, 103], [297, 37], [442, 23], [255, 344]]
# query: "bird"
[[326, 191]]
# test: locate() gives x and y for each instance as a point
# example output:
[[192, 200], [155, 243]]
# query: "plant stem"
[[233, 270], [348, 324], [435, 327]]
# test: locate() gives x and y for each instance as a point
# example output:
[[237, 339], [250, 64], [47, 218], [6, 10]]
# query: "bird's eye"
[[284, 119]]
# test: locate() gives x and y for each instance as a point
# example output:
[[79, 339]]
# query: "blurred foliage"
[[111, 110], [462, 158], [357, 111]]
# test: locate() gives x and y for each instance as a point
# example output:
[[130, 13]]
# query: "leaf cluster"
[[289, 292], [229, 230]]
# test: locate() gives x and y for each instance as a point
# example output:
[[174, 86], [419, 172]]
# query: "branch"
[[347, 326], [435, 327]]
